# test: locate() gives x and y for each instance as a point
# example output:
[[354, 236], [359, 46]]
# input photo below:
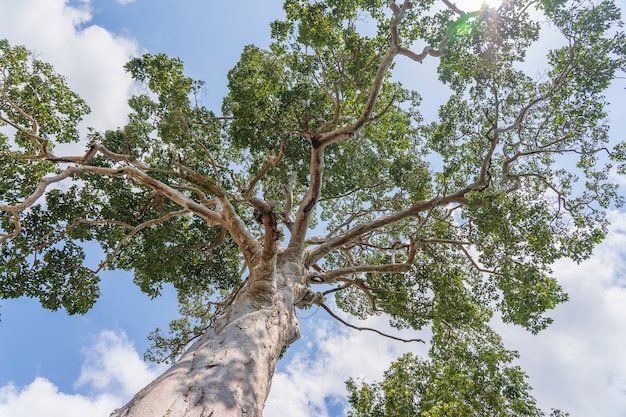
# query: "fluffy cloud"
[[312, 381], [112, 373], [42, 398], [112, 365], [90, 57]]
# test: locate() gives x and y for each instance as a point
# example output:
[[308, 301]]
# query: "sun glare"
[[471, 5]]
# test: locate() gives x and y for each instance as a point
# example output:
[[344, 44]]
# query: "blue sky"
[[54, 365]]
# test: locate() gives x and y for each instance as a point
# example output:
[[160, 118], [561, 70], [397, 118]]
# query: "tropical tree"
[[320, 179]]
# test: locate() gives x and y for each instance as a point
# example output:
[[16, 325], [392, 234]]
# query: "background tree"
[[440, 225]]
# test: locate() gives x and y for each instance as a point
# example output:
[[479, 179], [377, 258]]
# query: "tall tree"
[[439, 225]]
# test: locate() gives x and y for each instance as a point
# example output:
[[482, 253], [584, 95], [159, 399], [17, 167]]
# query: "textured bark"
[[228, 371]]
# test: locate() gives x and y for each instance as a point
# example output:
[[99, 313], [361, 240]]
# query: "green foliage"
[[196, 316], [468, 373], [129, 220], [57, 278], [40, 93], [447, 222]]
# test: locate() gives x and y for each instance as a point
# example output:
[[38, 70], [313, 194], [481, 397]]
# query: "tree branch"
[[199, 180], [345, 323], [319, 141], [386, 61], [272, 162], [287, 217], [298, 234], [17, 224], [133, 232], [331, 276], [359, 230], [453, 7], [33, 132]]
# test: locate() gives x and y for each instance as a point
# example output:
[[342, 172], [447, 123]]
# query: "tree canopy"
[[322, 153]]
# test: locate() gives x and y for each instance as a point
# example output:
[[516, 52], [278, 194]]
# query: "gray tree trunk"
[[228, 371]]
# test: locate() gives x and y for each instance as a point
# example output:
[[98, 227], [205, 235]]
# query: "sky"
[[54, 365]]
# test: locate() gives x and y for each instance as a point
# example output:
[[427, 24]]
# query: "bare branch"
[[316, 240], [41, 188], [475, 264], [428, 50], [453, 7], [332, 276], [345, 323]]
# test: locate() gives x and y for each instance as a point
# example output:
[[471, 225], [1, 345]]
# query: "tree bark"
[[228, 371]]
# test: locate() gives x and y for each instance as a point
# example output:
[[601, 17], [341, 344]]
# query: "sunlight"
[[471, 5]]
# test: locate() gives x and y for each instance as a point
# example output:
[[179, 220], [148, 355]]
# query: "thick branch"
[[263, 273], [287, 217], [264, 213], [318, 142], [298, 234], [331, 276], [41, 188], [414, 210], [228, 218]]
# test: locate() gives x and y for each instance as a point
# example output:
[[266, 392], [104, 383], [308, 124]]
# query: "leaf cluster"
[[468, 373]]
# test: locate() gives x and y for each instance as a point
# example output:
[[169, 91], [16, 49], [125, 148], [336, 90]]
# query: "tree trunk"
[[228, 371]]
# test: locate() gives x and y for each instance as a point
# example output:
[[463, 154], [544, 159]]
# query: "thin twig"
[[325, 307]]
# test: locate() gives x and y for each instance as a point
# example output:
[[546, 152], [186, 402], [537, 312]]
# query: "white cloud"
[[125, 2], [42, 398], [112, 365], [317, 372], [113, 372], [90, 57]]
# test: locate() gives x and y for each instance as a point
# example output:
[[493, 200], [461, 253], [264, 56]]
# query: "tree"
[[438, 224]]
